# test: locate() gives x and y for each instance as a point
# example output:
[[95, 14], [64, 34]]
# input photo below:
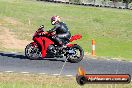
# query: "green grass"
[[24, 85], [14, 80], [111, 28]]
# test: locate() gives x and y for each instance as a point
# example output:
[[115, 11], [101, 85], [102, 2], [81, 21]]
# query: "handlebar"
[[41, 32], [42, 26]]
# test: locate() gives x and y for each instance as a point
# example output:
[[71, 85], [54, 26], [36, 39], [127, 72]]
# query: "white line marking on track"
[[24, 72], [42, 73], [119, 60], [108, 59], [69, 75], [130, 61], [55, 74], [13, 52], [8, 71]]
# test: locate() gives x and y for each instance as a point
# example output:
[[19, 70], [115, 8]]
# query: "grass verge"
[[15, 80], [111, 28]]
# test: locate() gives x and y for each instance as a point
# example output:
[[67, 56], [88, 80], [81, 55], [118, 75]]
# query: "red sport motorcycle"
[[44, 47]]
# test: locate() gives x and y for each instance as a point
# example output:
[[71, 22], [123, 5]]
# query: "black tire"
[[26, 54], [77, 59], [30, 54]]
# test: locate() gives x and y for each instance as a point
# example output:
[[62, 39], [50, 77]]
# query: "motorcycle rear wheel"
[[74, 58]]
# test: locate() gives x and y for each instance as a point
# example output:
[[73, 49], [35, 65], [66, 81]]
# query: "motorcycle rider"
[[62, 32]]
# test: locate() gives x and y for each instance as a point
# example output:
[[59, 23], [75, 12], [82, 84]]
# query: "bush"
[[130, 5], [75, 1]]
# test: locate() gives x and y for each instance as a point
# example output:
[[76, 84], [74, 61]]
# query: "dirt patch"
[[2, 21], [12, 21], [9, 41]]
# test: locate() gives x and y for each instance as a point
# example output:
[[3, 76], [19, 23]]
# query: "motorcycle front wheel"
[[32, 52], [77, 54]]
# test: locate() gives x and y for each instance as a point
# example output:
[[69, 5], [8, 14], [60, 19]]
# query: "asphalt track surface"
[[17, 62]]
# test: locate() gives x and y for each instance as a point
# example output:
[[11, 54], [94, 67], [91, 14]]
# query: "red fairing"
[[75, 37], [44, 42], [33, 43], [69, 45]]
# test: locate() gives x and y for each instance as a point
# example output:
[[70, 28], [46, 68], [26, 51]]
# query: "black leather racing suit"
[[62, 33]]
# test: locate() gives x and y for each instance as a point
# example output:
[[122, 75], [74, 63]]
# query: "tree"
[[124, 1], [114, 1], [127, 2]]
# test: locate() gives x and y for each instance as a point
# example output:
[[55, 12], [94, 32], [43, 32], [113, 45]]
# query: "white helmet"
[[55, 19]]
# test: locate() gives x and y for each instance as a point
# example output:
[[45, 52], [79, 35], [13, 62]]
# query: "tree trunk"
[[114, 2]]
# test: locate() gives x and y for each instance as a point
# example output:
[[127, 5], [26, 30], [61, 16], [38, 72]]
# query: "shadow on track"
[[13, 55]]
